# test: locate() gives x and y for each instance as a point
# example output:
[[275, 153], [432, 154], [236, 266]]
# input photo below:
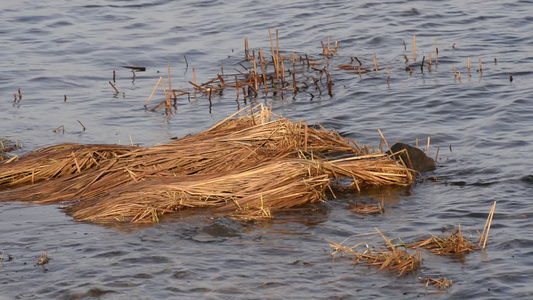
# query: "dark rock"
[[420, 161]]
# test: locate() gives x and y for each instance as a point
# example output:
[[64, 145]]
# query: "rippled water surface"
[[481, 123]]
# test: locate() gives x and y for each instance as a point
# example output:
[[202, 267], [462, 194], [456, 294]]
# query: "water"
[[482, 124]]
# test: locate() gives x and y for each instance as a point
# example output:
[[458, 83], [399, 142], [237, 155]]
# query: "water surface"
[[481, 123]]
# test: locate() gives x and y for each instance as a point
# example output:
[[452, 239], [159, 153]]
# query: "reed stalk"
[[436, 53], [485, 234], [110, 83], [414, 47], [153, 91]]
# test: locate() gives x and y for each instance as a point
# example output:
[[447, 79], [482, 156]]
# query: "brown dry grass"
[[455, 243], [440, 283], [393, 259], [237, 163]]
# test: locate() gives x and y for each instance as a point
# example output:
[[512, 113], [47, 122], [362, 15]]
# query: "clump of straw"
[[455, 243], [253, 190], [393, 259], [209, 169], [440, 283]]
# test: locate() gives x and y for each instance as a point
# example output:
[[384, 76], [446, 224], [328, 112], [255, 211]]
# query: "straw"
[[414, 47], [110, 83], [251, 141], [485, 234]]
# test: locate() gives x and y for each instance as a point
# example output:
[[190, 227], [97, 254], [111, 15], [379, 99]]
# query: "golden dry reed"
[[393, 259], [249, 165], [440, 283], [485, 234], [414, 47], [455, 243]]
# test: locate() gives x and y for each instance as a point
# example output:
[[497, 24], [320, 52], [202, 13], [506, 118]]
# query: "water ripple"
[[480, 124]]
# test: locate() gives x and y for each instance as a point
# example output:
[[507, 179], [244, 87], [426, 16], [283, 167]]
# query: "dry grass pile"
[[440, 283], [245, 193], [393, 259], [455, 243], [247, 165]]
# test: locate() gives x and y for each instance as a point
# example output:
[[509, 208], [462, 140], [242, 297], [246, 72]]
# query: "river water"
[[481, 123]]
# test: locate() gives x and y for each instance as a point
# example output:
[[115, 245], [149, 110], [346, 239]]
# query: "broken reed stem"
[[237, 86], [486, 228], [436, 53], [194, 80], [468, 64], [414, 47], [274, 58], [262, 71], [429, 61], [282, 68], [246, 49], [386, 143], [112, 85], [437, 155], [375, 62], [293, 60], [277, 42], [422, 65], [62, 127], [454, 72], [428, 147], [294, 83], [391, 246], [82, 125], [167, 96], [169, 81], [255, 73], [153, 91], [480, 68], [277, 51]]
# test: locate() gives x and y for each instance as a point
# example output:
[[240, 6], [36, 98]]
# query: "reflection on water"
[[62, 55]]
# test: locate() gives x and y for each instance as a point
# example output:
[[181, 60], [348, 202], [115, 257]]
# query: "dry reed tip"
[[414, 47]]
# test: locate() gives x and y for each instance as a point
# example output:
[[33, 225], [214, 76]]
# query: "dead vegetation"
[[249, 165], [455, 243], [392, 259]]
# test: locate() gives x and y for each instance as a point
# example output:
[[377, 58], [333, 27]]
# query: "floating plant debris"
[[393, 259], [248, 166], [455, 243], [440, 283]]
